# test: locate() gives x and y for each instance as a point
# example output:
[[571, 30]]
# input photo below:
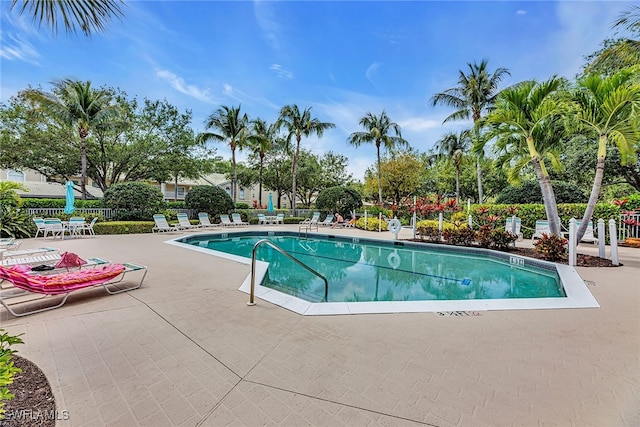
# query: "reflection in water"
[[370, 272]]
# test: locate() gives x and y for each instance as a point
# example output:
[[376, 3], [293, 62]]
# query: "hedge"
[[123, 227]]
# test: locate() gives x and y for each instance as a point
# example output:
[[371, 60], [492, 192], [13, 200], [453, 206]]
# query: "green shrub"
[[176, 205], [529, 192], [60, 203], [7, 368], [429, 233], [242, 205], [372, 224], [339, 199], [134, 200], [551, 247], [123, 227], [16, 223], [463, 236], [210, 199]]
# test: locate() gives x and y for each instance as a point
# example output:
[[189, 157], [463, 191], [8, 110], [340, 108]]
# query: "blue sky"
[[343, 59]]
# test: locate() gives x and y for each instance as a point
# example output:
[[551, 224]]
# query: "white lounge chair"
[[28, 252], [279, 218], [262, 219], [514, 228], [588, 234], [225, 221], [542, 227], [162, 226], [327, 222], [184, 222], [205, 222], [41, 228], [237, 220], [309, 223]]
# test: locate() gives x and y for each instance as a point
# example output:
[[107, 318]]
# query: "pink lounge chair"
[[62, 284]]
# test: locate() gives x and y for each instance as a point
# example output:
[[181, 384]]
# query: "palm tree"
[[525, 120], [607, 108], [260, 141], [298, 125], [475, 95], [76, 103], [88, 15], [453, 146], [377, 129], [233, 128], [623, 52]]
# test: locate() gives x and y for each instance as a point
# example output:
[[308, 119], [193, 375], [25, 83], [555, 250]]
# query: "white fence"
[[629, 225]]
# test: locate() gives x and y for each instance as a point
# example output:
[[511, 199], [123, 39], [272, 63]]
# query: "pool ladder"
[[282, 251]]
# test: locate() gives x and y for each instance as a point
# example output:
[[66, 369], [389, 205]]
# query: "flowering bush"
[[552, 247]]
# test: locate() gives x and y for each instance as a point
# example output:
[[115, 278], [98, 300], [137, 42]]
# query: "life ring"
[[394, 260], [394, 226]]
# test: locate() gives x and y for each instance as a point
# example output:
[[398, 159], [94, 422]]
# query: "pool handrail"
[[292, 258]]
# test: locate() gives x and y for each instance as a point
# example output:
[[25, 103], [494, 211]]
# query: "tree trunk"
[[379, 175], [83, 164], [548, 197], [294, 169], [479, 173], [457, 185], [175, 189], [235, 177], [595, 190], [260, 184]]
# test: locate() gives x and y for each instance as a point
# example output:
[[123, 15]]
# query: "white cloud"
[[16, 48], [521, 12], [265, 16], [281, 72], [418, 124], [179, 84], [227, 89]]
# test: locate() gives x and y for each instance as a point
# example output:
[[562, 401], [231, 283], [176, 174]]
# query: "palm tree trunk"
[[595, 190], [479, 173], [294, 169], [548, 198], [457, 185], [379, 175], [260, 183], [175, 188], [83, 166], [235, 177]]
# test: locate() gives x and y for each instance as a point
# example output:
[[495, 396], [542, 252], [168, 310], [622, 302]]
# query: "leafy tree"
[[233, 128], [134, 200], [525, 120], [475, 95], [209, 198], [87, 15], [529, 192], [377, 131], [453, 147], [297, 125], [76, 103], [401, 175], [334, 170], [277, 174], [339, 199], [310, 179], [607, 110]]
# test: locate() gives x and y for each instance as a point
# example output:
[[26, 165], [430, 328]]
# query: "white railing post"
[[601, 239], [440, 219], [572, 243], [470, 221], [613, 237], [415, 219], [365, 219], [379, 222]]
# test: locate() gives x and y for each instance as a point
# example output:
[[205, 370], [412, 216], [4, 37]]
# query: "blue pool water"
[[361, 270]]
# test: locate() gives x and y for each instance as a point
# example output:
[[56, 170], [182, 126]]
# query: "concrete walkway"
[[186, 350]]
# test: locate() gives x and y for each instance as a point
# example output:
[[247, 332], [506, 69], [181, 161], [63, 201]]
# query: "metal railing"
[[629, 226], [283, 252]]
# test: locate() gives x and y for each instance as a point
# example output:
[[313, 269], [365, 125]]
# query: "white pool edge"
[[578, 295]]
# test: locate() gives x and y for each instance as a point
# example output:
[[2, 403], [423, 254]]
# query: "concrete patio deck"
[[186, 350]]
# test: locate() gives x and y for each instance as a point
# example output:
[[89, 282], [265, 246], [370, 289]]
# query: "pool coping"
[[577, 293]]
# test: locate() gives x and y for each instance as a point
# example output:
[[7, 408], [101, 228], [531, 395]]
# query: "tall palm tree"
[[260, 140], [229, 126], [88, 15], [623, 52], [607, 109], [525, 122], [474, 96], [298, 125], [453, 147], [377, 131], [77, 103]]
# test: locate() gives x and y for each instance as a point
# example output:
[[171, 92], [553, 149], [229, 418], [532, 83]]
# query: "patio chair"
[[262, 219], [514, 228], [279, 218], [203, 217], [54, 227], [542, 227], [27, 284], [309, 223], [225, 221], [40, 226], [162, 226], [184, 222], [327, 222], [76, 226], [89, 227], [588, 234], [237, 219]]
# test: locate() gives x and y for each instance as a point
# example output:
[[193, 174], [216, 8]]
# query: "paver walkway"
[[185, 349]]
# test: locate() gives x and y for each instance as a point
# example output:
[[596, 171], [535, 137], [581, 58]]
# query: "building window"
[[242, 194], [180, 191], [16, 176]]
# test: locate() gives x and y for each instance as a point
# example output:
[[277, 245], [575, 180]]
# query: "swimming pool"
[[369, 275]]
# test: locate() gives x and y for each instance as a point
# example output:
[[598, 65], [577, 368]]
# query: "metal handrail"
[[283, 252]]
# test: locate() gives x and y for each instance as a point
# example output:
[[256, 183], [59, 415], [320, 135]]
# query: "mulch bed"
[[33, 404]]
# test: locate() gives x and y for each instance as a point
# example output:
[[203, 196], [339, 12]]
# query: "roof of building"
[[54, 190]]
